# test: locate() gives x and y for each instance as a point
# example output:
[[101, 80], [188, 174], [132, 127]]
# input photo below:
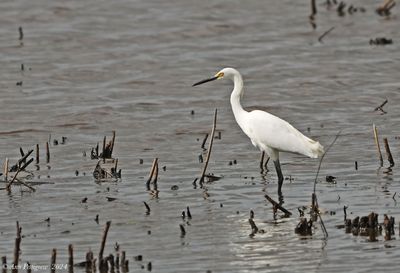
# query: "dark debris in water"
[[304, 227], [381, 41], [369, 226]]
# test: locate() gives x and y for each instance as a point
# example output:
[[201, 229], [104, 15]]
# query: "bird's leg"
[[263, 165], [280, 176], [262, 161]]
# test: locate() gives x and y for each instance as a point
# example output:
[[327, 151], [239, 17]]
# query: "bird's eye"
[[220, 74]]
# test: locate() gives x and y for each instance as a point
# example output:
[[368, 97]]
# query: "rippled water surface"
[[91, 67]]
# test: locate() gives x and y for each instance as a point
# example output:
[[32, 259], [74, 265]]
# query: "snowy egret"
[[267, 132]]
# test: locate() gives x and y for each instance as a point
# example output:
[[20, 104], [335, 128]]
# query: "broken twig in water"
[[380, 107], [324, 34], [183, 231], [388, 153], [147, 208], [378, 147], [204, 142], [209, 147], [276, 205]]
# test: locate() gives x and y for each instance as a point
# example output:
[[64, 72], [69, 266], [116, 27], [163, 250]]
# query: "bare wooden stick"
[[8, 187], [275, 204], [209, 147], [112, 143], [6, 170], [103, 241], [26, 185], [116, 166], [378, 147], [47, 153], [53, 260], [37, 154], [153, 168], [123, 254], [155, 176], [103, 154], [388, 153], [70, 259], [16, 249]]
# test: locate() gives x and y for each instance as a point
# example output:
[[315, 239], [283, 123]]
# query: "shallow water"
[[96, 66]]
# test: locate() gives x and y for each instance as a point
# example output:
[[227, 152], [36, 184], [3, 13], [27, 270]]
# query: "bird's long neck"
[[236, 95]]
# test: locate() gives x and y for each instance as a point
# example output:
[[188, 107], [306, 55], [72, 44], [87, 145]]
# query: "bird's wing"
[[268, 130]]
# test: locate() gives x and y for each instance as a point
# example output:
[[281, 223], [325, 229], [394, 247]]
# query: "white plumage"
[[266, 131]]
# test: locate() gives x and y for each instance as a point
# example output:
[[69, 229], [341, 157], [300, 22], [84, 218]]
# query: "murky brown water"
[[96, 66]]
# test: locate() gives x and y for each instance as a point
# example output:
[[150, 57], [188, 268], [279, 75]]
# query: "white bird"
[[267, 132]]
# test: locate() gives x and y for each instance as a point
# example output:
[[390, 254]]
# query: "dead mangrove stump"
[[4, 264], [103, 244], [108, 147], [70, 259], [37, 154], [107, 166], [106, 170], [53, 260], [89, 261], [304, 227], [276, 205], [209, 148]]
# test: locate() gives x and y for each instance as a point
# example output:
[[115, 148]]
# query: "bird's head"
[[224, 73]]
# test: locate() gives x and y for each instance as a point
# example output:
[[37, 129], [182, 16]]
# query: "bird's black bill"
[[206, 80]]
